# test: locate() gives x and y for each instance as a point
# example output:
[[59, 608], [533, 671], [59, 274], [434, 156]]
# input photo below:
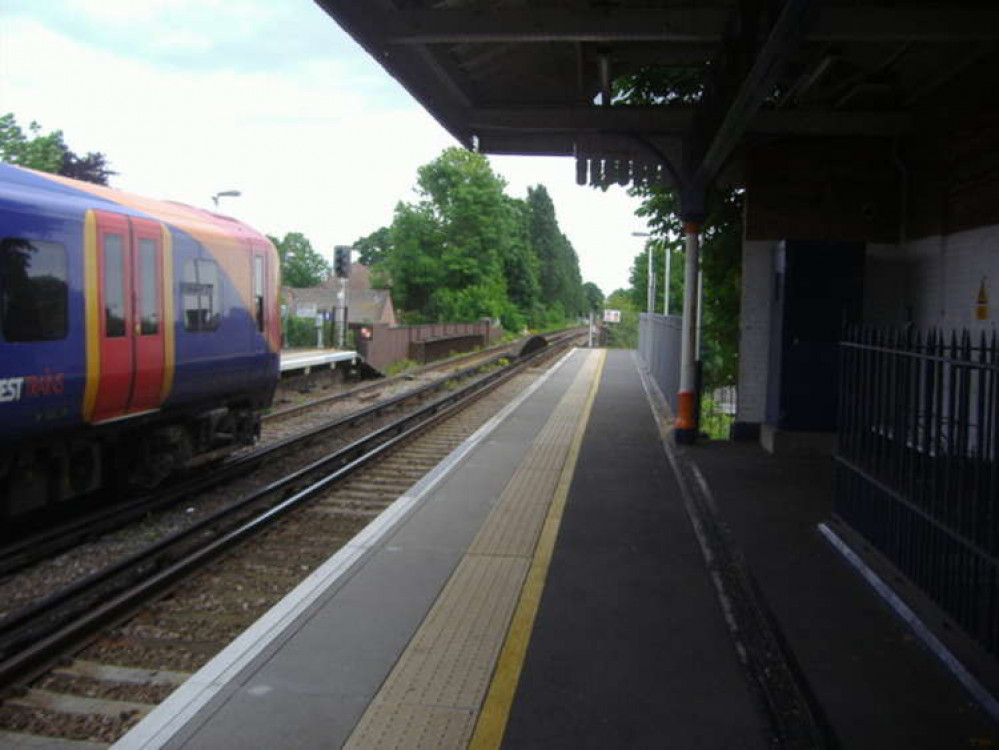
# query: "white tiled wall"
[[754, 329], [946, 275], [935, 280]]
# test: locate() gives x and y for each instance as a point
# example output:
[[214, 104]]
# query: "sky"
[[188, 98]]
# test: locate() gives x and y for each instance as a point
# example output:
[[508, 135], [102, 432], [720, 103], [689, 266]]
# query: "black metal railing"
[[917, 463]]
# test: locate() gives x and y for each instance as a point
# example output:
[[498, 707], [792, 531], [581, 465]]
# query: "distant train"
[[135, 337]]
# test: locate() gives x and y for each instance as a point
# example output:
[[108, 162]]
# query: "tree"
[[373, 248], [448, 249], [594, 297], [561, 284], [49, 153], [464, 249], [301, 265], [623, 335]]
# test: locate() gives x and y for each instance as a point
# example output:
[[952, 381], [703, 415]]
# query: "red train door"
[[148, 323], [114, 274], [130, 273]]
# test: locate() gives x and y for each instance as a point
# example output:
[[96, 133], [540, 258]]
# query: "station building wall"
[[927, 210]]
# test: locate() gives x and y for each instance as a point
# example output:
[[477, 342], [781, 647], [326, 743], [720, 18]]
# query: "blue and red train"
[[135, 336]]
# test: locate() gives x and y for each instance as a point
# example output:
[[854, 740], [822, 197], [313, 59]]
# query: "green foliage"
[[466, 250], [48, 153], [301, 265], [401, 366], [594, 297], [721, 265], [639, 275], [623, 335], [372, 249], [561, 284], [715, 423], [300, 332], [660, 86]]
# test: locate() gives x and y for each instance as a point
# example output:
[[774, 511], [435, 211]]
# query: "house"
[[364, 304]]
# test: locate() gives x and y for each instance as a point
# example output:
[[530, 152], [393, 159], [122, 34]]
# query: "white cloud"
[[130, 12], [309, 147]]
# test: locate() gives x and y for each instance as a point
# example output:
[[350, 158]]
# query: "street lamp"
[[224, 194], [651, 298]]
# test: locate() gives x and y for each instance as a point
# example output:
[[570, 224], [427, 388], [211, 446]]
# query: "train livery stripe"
[[92, 320], [169, 349]]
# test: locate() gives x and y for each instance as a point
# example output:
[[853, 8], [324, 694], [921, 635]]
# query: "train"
[[137, 338]]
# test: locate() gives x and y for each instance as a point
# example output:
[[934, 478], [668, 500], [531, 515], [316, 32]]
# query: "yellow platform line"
[[495, 712], [433, 696]]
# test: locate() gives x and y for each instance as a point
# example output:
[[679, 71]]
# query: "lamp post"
[[651, 296], [666, 274], [224, 194]]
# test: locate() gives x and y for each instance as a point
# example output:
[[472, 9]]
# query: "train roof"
[[55, 194]]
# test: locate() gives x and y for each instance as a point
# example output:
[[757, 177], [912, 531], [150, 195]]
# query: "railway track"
[[35, 547], [128, 668]]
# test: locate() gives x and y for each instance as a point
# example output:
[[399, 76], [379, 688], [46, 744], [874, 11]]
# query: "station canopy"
[[542, 77]]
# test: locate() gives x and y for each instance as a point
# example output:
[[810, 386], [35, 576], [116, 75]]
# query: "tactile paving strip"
[[432, 697]]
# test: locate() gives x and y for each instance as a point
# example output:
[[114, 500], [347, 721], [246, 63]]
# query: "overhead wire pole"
[[666, 274], [650, 299]]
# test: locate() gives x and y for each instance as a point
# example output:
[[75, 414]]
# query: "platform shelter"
[[866, 138]]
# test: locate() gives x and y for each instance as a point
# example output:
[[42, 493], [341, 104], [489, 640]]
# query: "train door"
[[114, 293], [148, 323], [130, 332], [258, 274]]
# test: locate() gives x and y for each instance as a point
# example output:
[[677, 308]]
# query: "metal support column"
[[651, 291], [686, 420], [666, 273]]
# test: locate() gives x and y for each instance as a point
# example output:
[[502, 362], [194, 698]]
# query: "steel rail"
[[24, 552], [43, 631], [34, 548]]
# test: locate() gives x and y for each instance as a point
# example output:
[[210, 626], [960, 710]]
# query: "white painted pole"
[[666, 274], [651, 296], [700, 312], [686, 426]]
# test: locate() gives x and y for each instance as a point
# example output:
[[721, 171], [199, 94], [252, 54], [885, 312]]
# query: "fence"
[[916, 464], [659, 349], [382, 345]]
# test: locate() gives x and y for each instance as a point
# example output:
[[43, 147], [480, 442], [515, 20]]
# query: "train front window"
[[33, 290], [114, 285]]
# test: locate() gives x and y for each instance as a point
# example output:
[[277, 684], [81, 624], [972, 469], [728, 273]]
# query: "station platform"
[[552, 585], [305, 359]]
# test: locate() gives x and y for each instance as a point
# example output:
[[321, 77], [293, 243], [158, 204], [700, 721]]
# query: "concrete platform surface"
[[301, 359]]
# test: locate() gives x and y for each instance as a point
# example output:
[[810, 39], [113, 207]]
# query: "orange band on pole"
[[691, 227], [685, 411]]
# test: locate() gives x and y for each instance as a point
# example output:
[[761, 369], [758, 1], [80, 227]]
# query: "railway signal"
[[341, 261]]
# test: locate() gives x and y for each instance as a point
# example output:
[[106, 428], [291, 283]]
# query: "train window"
[[202, 295], [33, 290], [149, 301], [258, 291], [114, 285]]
